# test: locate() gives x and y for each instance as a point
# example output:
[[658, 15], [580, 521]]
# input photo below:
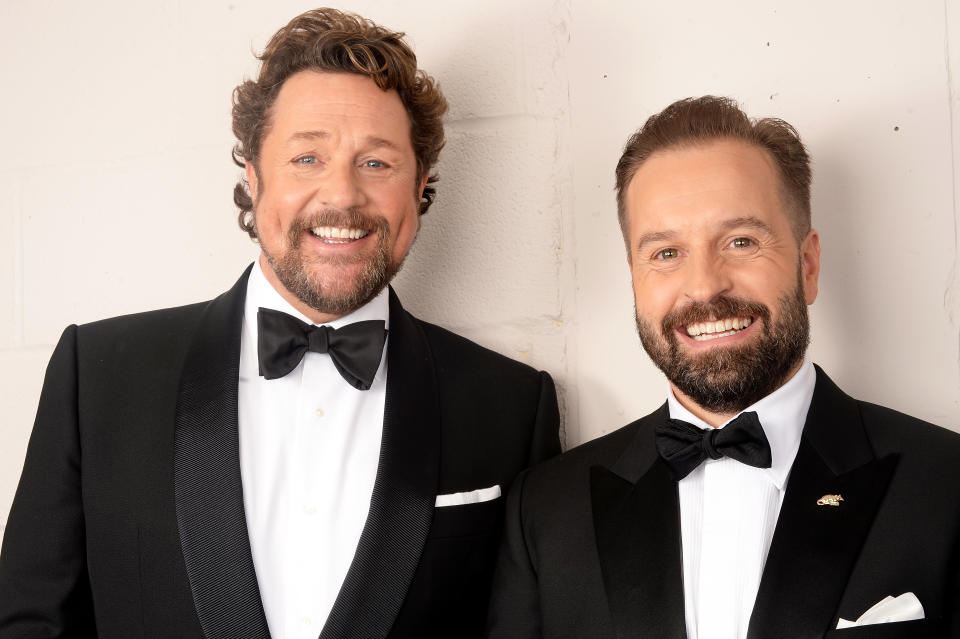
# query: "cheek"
[[766, 286], [654, 296], [280, 212], [401, 210], [404, 231]]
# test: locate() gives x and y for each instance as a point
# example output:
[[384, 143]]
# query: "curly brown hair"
[[695, 121], [334, 41]]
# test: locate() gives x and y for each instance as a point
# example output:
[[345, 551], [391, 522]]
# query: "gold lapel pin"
[[830, 500]]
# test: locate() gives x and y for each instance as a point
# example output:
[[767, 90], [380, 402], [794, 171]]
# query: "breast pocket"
[[917, 629], [467, 520], [449, 593]]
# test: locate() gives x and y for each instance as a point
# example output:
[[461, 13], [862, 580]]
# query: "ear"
[[423, 185], [625, 232], [252, 181], [810, 265]]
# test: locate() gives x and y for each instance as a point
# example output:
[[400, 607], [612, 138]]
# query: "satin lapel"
[[815, 547], [636, 516], [209, 493], [404, 493]]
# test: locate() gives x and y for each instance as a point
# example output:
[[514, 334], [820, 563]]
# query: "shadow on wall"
[[840, 302], [443, 265], [598, 390], [487, 251], [885, 219]]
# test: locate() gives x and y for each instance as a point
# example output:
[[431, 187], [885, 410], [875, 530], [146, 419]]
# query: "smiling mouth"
[[338, 234], [703, 331]]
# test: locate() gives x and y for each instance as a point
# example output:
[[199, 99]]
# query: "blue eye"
[[374, 164], [306, 159]]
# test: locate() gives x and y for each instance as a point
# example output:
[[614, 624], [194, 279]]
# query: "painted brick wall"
[[115, 179]]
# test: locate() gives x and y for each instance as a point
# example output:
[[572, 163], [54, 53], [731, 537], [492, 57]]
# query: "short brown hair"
[[695, 121], [334, 41]]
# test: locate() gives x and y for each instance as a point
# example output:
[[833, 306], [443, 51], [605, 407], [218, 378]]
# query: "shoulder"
[[129, 345], [891, 431], [553, 500], [157, 325], [835, 420], [163, 319], [456, 356], [171, 326], [569, 473]]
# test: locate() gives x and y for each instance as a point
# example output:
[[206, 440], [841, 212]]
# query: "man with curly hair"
[[299, 457]]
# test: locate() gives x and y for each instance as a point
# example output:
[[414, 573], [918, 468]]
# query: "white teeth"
[[718, 328], [337, 233], [706, 336]]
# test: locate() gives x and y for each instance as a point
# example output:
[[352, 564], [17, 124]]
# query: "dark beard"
[[377, 266], [727, 380]]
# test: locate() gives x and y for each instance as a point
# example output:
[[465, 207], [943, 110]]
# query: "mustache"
[[351, 218], [717, 308], [335, 217]]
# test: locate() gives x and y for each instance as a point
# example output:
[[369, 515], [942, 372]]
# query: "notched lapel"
[[209, 492], [636, 517], [404, 493], [815, 547]]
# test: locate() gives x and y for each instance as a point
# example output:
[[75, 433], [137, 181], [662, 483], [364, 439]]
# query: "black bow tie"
[[684, 446], [355, 349]]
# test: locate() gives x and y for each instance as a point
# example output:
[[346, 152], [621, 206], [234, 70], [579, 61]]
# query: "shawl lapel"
[[208, 488], [209, 491], [815, 547], [404, 493], [636, 516]]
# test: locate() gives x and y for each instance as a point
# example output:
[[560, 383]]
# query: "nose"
[[341, 187], [707, 278]]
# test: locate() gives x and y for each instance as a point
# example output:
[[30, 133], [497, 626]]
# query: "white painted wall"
[[115, 178]]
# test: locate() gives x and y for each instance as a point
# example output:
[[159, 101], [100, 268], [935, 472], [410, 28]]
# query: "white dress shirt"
[[728, 512], [309, 448]]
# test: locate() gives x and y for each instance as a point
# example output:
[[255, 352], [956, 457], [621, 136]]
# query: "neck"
[[712, 418], [312, 314]]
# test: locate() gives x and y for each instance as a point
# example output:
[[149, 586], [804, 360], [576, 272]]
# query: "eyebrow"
[[747, 222], [310, 135], [744, 222], [655, 236], [372, 142]]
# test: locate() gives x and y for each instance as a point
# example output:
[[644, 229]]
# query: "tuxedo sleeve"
[[514, 605], [44, 587], [953, 622], [546, 430]]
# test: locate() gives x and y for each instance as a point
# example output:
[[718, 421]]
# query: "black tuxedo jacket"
[[592, 548], [128, 521]]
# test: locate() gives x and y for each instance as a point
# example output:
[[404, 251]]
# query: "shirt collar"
[[260, 293], [782, 414]]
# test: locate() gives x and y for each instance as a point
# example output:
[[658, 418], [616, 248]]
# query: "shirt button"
[[305, 620], [319, 412], [309, 510]]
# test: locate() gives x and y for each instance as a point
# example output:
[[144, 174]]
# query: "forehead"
[[695, 186], [338, 103]]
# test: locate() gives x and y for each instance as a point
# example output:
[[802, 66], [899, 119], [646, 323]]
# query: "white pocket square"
[[472, 497], [906, 607]]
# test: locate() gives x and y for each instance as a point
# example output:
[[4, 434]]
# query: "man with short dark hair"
[[299, 457], [759, 501]]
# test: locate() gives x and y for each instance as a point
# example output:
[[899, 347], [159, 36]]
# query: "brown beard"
[[729, 379], [378, 267]]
